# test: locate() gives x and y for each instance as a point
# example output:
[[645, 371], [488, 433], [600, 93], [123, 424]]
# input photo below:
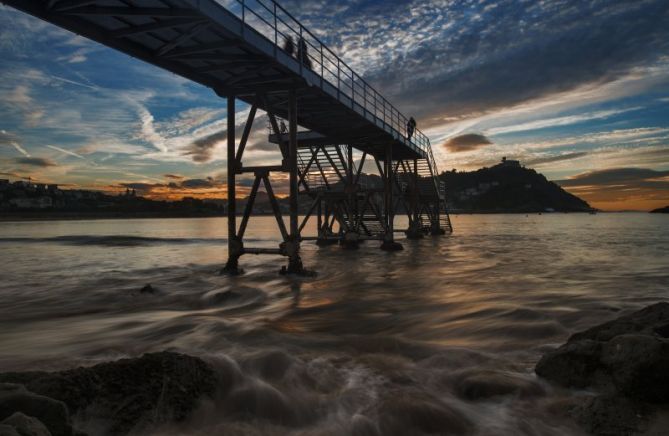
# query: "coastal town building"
[[42, 202]]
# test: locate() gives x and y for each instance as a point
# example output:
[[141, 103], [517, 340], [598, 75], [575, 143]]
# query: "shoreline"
[[30, 217]]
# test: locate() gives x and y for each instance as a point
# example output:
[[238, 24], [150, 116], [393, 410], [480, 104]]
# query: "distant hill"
[[508, 187], [661, 210]]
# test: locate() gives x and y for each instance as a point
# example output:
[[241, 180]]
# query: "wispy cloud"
[[68, 152], [618, 176], [556, 158], [558, 121], [12, 140]]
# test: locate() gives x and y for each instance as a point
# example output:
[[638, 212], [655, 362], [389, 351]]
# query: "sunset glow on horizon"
[[577, 90]]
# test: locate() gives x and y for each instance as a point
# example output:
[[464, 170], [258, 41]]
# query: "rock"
[[612, 415], [148, 289], [409, 412], [574, 364], [52, 413], [480, 385], [644, 321], [639, 366], [8, 430], [129, 393], [26, 425], [626, 354], [627, 361]]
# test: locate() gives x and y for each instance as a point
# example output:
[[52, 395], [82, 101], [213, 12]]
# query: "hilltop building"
[[509, 163]]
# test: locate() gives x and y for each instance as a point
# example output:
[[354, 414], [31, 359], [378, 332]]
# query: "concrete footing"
[[414, 234], [391, 246], [232, 268]]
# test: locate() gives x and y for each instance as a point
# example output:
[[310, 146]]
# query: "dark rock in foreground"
[[627, 361], [53, 414], [24, 425], [119, 396]]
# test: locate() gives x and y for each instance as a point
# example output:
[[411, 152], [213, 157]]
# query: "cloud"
[[36, 162], [21, 99], [619, 176], [7, 137], [462, 63], [141, 186], [68, 152], [467, 142], [148, 130], [199, 183], [557, 158], [621, 188], [173, 176], [209, 187], [202, 149], [558, 121], [15, 175], [12, 140], [78, 56]]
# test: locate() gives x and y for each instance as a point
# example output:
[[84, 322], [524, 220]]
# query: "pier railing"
[[276, 24]]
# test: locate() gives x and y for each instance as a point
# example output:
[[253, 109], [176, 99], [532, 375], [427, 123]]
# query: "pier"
[[325, 119]]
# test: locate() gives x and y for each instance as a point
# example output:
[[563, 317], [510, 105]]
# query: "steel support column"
[[235, 248], [291, 247], [389, 243], [351, 238], [414, 231]]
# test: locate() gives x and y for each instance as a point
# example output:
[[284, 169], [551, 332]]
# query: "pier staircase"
[[322, 167], [420, 179], [327, 175]]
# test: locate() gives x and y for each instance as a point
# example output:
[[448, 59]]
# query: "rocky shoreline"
[[615, 377], [117, 397], [622, 368]]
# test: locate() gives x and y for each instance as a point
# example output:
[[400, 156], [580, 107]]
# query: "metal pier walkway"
[[238, 48]]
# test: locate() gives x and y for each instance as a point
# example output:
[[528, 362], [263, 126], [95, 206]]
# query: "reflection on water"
[[444, 333]]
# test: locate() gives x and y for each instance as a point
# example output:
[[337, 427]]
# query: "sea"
[[439, 338]]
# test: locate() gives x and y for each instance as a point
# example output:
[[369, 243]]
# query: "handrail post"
[[301, 52], [338, 79], [276, 30], [352, 91]]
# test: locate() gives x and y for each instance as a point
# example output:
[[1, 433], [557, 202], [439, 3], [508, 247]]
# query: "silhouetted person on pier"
[[289, 45], [282, 127], [411, 127], [302, 54]]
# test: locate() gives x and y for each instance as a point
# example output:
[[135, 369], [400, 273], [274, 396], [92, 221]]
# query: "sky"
[[578, 90]]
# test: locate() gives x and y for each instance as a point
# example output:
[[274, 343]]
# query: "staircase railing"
[[276, 24]]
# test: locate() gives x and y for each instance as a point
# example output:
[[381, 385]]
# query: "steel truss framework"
[[326, 175]]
